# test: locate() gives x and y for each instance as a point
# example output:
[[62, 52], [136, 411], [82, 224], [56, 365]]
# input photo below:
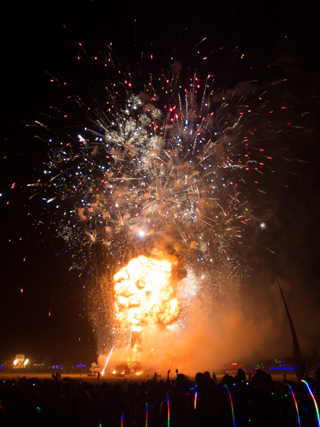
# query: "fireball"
[[145, 293]]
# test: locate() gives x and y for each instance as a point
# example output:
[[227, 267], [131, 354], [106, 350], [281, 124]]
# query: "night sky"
[[279, 39]]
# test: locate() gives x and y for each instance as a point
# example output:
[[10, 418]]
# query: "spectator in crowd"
[[203, 402]]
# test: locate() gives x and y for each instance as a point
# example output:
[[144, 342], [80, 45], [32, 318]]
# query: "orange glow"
[[145, 294]]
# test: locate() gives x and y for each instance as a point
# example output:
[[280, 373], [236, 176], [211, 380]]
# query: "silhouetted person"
[[204, 402], [113, 406], [180, 401]]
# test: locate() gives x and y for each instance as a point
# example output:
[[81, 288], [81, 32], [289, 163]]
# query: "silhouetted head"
[[241, 375], [200, 378], [207, 374], [181, 379]]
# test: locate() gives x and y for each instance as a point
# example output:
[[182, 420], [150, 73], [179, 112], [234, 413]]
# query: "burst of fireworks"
[[137, 176], [171, 162]]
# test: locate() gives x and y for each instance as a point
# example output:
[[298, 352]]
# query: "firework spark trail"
[[107, 361]]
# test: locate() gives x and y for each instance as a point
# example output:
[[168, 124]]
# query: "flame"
[[145, 294]]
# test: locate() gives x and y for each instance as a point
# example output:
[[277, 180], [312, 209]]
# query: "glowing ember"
[[145, 294]]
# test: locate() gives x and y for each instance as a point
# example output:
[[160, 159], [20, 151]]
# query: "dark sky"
[[279, 39]]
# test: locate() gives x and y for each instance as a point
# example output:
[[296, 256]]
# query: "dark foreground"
[[200, 402]]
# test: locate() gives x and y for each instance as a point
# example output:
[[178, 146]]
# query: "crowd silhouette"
[[179, 402]]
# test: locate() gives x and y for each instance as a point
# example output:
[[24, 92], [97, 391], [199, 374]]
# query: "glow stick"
[[146, 415], [195, 400], [314, 401], [168, 406], [122, 420], [296, 405], [231, 404]]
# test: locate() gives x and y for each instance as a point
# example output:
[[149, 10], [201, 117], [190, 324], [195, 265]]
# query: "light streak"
[[147, 414], [107, 361], [231, 404], [314, 401], [195, 399], [295, 403]]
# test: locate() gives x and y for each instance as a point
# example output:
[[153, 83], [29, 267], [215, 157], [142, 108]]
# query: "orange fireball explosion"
[[145, 294]]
